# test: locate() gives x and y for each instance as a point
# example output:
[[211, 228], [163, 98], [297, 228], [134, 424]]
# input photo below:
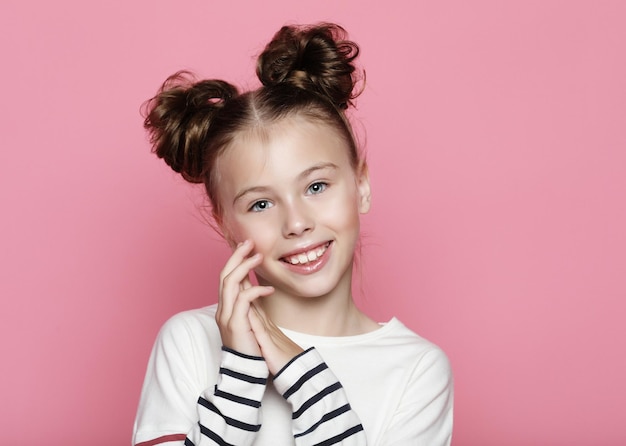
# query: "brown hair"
[[304, 70]]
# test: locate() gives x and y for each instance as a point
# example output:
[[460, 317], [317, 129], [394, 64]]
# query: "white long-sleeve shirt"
[[387, 387]]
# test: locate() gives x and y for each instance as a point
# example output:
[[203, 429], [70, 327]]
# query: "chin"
[[309, 288], [312, 293]]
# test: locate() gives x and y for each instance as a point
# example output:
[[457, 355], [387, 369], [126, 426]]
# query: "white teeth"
[[306, 257]]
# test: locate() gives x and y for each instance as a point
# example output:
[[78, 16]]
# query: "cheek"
[[232, 230], [237, 234], [349, 218], [256, 231]]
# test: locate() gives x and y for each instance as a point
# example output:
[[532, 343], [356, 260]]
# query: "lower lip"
[[310, 267]]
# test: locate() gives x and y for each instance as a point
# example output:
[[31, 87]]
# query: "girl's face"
[[292, 190]]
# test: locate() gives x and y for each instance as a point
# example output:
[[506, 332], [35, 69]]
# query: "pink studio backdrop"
[[495, 135]]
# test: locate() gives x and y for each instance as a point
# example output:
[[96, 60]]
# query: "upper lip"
[[304, 249]]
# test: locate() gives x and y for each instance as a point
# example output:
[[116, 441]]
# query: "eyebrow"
[[316, 167], [305, 173]]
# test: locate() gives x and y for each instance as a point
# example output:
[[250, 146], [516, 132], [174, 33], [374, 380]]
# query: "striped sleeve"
[[230, 415], [321, 413]]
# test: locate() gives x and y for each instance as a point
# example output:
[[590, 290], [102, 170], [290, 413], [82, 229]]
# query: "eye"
[[317, 188], [260, 206]]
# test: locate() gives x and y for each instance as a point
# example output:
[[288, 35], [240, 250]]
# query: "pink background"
[[496, 135]]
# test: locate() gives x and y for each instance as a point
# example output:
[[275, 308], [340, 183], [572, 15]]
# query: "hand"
[[236, 294], [276, 348]]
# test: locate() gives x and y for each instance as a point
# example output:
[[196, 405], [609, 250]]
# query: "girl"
[[285, 357]]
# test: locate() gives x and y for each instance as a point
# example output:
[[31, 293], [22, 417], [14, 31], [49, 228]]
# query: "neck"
[[334, 314]]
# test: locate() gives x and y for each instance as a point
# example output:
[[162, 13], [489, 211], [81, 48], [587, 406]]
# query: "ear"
[[363, 185]]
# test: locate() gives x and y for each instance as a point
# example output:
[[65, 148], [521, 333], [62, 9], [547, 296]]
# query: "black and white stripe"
[[230, 415], [321, 412]]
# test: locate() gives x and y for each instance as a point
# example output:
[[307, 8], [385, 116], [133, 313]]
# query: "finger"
[[276, 347], [232, 284], [239, 254], [246, 282], [244, 302], [260, 324], [239, 277], [260, 313], [257, 323]]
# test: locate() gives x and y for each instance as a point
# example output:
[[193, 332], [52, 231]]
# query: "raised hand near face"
[[276, 347], [236, 295]]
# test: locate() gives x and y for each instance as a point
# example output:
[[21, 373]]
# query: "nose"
[[298, 219]]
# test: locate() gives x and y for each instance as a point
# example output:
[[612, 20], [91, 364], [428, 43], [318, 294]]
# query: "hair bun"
[[317, 58], [178, 119]]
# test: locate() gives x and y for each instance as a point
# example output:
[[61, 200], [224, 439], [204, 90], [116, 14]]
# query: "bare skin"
[[244, 326], [295, 198]]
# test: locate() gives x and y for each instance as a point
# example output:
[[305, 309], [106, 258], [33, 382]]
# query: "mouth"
[[305, 257]]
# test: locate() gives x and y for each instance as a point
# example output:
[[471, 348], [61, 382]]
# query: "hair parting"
[[304, 70]]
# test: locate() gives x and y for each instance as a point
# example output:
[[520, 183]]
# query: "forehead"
[[278, 153]]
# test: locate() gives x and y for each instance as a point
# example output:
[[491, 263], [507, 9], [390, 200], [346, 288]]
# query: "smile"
[[305, 257]]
